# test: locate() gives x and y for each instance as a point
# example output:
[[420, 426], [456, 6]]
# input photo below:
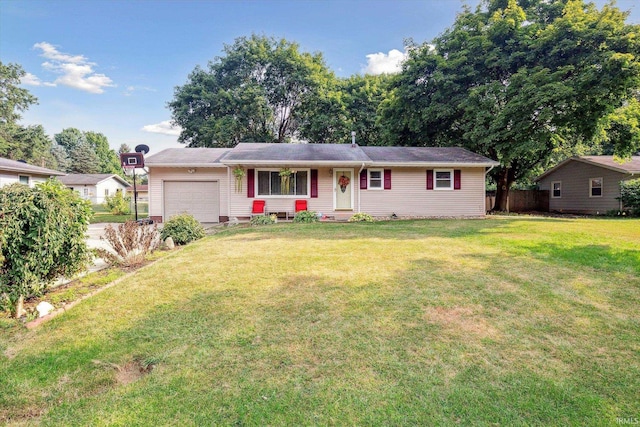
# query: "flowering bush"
[[361, 217], [306, 216]]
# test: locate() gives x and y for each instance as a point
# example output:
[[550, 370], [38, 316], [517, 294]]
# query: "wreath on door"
[[343, 182]]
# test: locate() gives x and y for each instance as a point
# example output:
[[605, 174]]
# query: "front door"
[[343, 189]]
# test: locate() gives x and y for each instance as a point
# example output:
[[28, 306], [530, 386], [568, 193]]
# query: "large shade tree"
[[517, 80], [28, 143], [255, 92]]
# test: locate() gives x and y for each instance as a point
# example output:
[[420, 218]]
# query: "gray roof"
[[295, 153], [183, 157], [631, 166], [90, 178], [15, 166], [316, 154], [425, 155]]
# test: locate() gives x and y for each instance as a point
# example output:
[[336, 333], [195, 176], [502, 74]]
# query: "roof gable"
[[90, 179], [631, 167], [182, 157], [20, 167]]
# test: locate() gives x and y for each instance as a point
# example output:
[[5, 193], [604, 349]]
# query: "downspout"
[[229, 193], [485, 191], [358, 181]]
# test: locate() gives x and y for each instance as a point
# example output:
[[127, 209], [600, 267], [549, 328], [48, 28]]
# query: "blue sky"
[[111, 66]]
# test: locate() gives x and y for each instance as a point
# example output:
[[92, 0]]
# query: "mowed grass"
[[508, 321]]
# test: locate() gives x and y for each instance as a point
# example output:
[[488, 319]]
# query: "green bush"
[[42, 237], [263, 219], [361, 217], [306, 216], [118, 204], [183, 228], [630, 195]]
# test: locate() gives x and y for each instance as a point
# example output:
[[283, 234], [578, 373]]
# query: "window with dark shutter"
[[387, 179], [314, 183], [363, 179], [457, 181], [429, 179], [251, 176]]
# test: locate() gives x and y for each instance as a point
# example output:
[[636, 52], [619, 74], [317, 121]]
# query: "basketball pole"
[[135, 194]]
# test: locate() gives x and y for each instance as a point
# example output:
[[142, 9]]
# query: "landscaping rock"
[[44, 308], [168, 243]]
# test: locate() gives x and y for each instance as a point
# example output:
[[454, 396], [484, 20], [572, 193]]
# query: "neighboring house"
[[13, 171], [587, 184], [143, 192], [336, 180], [95, 186]]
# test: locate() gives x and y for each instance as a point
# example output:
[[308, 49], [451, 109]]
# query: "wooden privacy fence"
[[523, 200]]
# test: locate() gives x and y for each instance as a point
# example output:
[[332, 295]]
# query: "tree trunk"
[[504, 182]]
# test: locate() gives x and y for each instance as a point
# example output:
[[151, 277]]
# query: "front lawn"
[[503, 321]]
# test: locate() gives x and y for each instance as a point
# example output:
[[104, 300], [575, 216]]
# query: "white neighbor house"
[[12, 171], [95, 186], [337, 180]]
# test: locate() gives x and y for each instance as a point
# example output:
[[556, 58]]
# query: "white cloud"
[[33, 80], [131, 89], [75, 70], [164, 127], [382, 63]]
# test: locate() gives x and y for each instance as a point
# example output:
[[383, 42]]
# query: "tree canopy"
[[517, 80], [254, 93]]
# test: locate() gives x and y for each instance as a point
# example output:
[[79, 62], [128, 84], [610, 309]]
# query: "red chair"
[[258, 207], [301, 205]]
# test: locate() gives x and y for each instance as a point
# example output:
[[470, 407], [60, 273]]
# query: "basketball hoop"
[[129, 170]]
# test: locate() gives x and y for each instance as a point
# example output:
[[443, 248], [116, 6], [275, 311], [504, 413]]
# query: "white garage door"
[[198, 198]]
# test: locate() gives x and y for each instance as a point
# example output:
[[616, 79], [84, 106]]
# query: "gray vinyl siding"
[[157, 176], [575, 197], [408, 197]]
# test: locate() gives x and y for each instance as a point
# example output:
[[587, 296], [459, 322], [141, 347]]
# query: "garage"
[[198, 198]]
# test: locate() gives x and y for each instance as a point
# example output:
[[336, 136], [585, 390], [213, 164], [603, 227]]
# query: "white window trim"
[[552, 184], [369, 187], [435, 179], [281, 196], [591, 187]]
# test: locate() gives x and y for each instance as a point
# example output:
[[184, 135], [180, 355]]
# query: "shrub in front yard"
[[118, 204], [42, 237], [183, 229], [130, 243], [263, 219], [361, 217], [306, 216], [630, 195]]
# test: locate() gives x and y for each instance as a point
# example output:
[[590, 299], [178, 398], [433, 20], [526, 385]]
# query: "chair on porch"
[[258, 208], [301, 205]]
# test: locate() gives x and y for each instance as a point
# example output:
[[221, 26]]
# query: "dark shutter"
[[429, 179], [314, 183], [363, 179], [456, 179], [251, 188], [387, 179]]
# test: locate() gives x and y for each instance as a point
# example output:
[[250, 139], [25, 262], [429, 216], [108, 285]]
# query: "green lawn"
[[503, 321], [102, 215]]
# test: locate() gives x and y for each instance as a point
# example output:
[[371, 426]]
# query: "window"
[[375, 179], [443, 179], [86, 191], [23, 179], [595, 187], [270, 183], [556, 189], [106, 191]]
